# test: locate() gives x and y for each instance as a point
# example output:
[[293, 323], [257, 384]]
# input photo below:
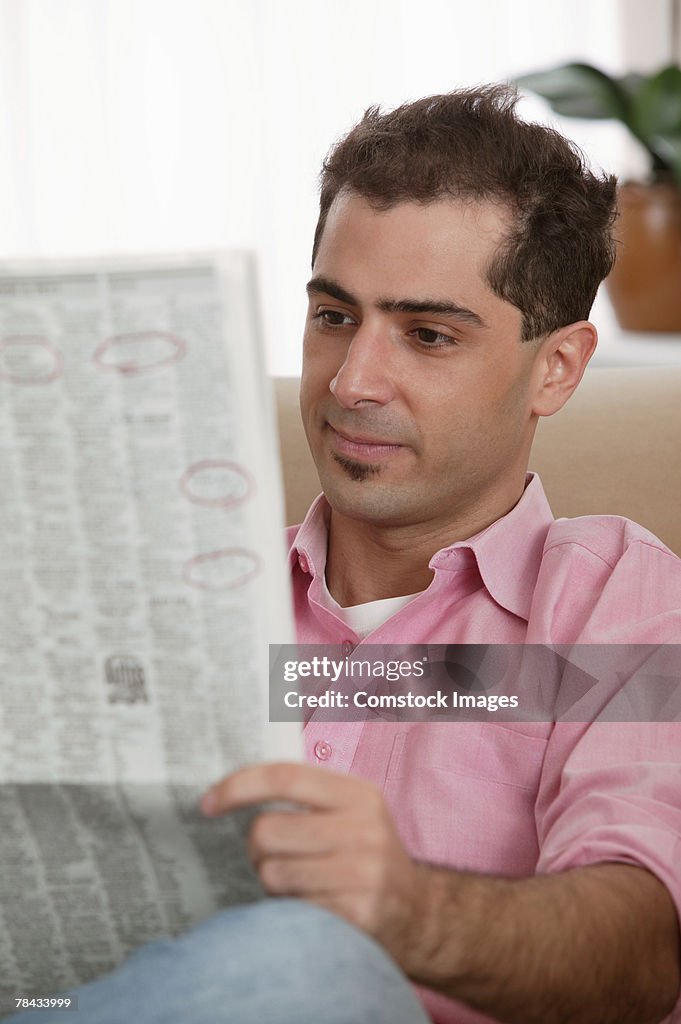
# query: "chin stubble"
[[356, 470]]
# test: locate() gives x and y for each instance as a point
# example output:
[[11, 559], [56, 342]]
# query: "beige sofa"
[[615, 448]]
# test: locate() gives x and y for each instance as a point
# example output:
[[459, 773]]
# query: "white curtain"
[[161, 125]]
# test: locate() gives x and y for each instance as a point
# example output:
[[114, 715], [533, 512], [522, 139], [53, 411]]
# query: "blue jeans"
[[274, 962]]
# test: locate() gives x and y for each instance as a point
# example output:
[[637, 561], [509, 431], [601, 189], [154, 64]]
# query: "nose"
[[367, 371]]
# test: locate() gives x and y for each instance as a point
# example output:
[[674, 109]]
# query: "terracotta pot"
[[645, 284]]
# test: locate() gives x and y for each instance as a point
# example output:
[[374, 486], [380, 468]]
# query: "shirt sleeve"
[[611, 791]]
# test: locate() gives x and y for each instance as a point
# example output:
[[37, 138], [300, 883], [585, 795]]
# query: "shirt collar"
[[508, 553], [310, 542]]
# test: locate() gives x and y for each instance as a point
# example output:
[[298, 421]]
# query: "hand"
[[340, 850]]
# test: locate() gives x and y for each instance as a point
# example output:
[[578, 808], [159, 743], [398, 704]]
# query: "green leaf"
[[669, 148], [656, 109], [650, 106], [581, 90], [631, 83]]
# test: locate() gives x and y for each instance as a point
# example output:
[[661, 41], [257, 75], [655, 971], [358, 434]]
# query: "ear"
[[561, 362]]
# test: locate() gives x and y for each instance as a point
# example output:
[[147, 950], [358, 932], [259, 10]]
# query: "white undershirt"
[[364, 618]]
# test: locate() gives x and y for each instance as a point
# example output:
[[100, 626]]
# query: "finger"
[[301, 783], [348, 906], [304, 876], [325, 875], [305, 833]]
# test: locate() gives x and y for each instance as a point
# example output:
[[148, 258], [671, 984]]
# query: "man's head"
[[471, 145], [449, 233]]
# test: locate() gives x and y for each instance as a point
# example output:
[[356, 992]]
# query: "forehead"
[[437, 248]]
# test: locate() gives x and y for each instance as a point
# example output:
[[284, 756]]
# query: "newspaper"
[[142, 578]]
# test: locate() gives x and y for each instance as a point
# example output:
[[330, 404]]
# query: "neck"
[[369, 562]]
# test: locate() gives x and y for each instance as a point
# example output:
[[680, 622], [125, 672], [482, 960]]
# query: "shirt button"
[[322, 750], [303, 563], [348, 647]]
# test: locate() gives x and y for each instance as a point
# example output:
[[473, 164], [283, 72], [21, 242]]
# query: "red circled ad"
[[217, 483], [226, 569], [30, 359], [139, 352]]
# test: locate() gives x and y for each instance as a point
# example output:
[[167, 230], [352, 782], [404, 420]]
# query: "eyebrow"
[[437, 307]]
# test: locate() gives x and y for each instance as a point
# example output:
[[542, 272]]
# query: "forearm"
[[596, 945]]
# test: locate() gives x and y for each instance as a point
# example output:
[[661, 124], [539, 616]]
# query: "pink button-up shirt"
[[516, 799]]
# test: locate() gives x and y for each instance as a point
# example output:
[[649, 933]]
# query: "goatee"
[[356, 470]]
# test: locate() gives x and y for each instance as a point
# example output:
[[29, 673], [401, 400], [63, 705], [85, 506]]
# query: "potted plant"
[[645, 285]]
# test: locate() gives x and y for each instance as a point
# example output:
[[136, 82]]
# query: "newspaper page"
[[142, 578]]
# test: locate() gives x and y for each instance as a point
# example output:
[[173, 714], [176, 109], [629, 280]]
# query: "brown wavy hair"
[[471, 144]]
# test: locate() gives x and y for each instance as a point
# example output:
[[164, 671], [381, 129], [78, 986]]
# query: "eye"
[[332, 318], [430, 338]]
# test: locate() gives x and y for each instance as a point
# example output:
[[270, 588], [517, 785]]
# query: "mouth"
[[358, 447]]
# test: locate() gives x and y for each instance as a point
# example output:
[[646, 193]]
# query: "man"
[[456, 259], [514, 871]]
